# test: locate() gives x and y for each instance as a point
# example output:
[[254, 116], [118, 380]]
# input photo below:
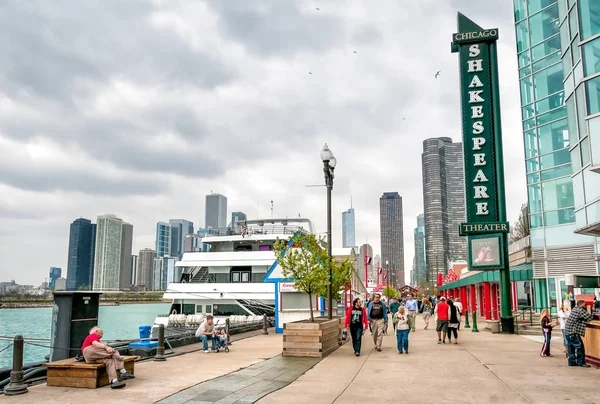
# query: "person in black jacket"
[[547, 330]]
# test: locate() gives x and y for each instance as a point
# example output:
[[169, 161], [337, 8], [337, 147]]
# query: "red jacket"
[[349, 317]]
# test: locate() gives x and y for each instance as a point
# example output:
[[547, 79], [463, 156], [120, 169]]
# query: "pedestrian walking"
[[547, 330], [427, 308], [575, 329], [412, 307], [459, 306], [442, 311], [453, 322], [563, 315], [378, 318], [356, 321], [367, 306], [404, 326]]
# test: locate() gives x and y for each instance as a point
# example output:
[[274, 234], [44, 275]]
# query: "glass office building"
[[554, 101]]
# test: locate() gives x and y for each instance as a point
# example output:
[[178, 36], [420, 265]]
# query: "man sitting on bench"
[[96, 352], [206, 332]]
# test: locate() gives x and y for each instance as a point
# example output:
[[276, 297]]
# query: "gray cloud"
[[272, 27]]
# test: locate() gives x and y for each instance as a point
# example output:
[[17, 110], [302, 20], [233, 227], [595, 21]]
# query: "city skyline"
[[110, 155]]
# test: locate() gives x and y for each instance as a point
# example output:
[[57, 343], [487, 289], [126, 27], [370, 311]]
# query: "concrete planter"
[[313, 340]]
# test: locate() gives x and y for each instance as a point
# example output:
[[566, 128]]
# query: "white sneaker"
[[205, 351]]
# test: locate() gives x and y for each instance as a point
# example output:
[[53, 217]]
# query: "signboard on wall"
[[287, 287]]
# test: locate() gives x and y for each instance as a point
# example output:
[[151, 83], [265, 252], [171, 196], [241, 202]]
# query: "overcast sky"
[[140, 108]]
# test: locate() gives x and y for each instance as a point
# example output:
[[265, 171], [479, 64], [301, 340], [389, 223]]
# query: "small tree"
[[522, 226], [389, 292], [341, 276], [304, 265]]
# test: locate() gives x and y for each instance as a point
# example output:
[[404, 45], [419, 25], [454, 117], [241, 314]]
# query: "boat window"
[[189, 309], [235, 277], [208, 309], [265, 248], [245, 277], [229, 310], [198, 309]]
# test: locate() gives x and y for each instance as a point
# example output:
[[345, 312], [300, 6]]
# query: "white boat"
[[227, 281]]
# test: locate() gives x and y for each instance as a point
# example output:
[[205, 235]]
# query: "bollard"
[[474, 321], [160, 349], [467, 319], [16, 385], [227, 323], [265, 325]]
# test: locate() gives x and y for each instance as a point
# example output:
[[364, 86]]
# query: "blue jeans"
[[402, 339], [576, 350], [205, 338]]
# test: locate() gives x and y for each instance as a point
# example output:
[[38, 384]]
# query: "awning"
[[521, 272]]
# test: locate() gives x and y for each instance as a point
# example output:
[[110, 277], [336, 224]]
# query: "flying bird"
[[355, 51], [437, 74], [318, 9], [309, 72]]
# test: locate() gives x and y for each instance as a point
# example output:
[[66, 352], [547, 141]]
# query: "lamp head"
[[326, 153], [332, 161]]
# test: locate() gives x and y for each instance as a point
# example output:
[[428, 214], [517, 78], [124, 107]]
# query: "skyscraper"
[[53, 276], [163, 272], [107, 262], [419, 267], [126, 249], [145, 272], [237, 217], [559, 99], [163, 239], [179, 229], [444, 204], [392, 236], [216, 211], [80, 261], [348, 229], [134, 269], [364, 265]]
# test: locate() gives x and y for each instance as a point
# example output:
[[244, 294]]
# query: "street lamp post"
[[329, 162], [387, 275]]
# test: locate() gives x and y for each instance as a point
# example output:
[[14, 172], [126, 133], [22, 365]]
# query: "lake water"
[[118, 322]]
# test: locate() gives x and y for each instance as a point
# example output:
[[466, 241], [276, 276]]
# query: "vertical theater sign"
[[486, 228]]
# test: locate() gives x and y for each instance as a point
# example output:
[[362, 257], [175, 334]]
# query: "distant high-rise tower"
[[80, 262], [179, 229], [419, 268], [134, 269], [126, 250], [392, 236], [145, 272], [237, 217], [53, 276], [444, 204], [348, 229], [163, 239], [364, 265], [108, 258], [216, 211]]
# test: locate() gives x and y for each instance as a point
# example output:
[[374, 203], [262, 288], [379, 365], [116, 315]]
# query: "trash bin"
[[145, 331], [494, 326]]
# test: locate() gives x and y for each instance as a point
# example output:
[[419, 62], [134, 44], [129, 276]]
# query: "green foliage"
[[307, 266], [520, 229], [390, 292]]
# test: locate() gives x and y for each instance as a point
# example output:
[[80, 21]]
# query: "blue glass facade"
[[163, 239], [53, 276], [80, 261], [419, 262], [348, 229]]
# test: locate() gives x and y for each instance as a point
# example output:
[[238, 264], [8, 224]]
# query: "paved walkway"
[[247, 385], [484, 367], [157, 380]]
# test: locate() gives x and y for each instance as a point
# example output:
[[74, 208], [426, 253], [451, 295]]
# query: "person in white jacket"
[[563, 315]]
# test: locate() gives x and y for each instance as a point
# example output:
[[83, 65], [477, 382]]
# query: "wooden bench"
[[71, 373]]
